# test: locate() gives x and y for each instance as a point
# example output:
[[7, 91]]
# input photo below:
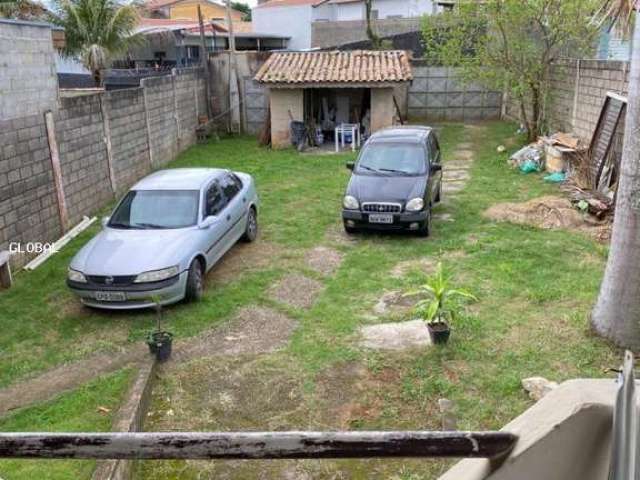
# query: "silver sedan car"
[[162, 238]]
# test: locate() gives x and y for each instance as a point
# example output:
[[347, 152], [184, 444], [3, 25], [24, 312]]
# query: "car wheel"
[[195, 282], [425, 230], [350, 230], [251, 230]]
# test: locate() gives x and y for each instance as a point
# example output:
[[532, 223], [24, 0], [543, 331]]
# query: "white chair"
[[342, 129]]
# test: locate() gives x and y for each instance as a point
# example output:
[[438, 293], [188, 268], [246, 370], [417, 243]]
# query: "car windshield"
[[151, 209], [392, 158]]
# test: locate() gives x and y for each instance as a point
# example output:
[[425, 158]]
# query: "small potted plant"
[[435, 309], [159, 341]]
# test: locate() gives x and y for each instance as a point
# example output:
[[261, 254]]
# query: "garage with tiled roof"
[[326, 89]]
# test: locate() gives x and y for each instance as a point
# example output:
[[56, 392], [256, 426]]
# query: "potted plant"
[[436, 309], [160, 341]]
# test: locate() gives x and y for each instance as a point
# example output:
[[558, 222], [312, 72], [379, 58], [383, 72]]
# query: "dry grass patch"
[[548, 212], [253, 330], [324, 260], [245, 257], [296, 291]]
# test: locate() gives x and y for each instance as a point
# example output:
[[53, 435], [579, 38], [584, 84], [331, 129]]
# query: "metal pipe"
[[255, 445]]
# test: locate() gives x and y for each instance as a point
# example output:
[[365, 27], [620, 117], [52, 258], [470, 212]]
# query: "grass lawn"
[[75, 411], [536, 288]]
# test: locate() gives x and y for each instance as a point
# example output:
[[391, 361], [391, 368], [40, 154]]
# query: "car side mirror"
[[436, 167], [207, 222], [351, 165], [105, 221]]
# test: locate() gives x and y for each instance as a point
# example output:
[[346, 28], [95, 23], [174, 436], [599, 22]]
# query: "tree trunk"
[[617, 311], [373, 37]]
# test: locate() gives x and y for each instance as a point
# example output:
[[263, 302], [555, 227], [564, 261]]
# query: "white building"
[[345, 10], [295, 17]]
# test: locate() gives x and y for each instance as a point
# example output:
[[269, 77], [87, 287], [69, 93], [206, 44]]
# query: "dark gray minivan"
[[396, 180]]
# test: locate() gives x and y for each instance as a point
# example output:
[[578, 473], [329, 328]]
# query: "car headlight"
[[415, 205], [157, 275], [350, 203], [76, 276]]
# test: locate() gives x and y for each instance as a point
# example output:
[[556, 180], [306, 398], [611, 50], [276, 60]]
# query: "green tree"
[[510, 45], [376, 42], [616, 314], [96, 31], [244, 8]]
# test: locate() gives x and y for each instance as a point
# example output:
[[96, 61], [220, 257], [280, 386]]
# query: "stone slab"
[[395, 336]]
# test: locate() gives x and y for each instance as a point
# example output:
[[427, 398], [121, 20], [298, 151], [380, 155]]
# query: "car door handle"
[[228, 217], [244, 199]]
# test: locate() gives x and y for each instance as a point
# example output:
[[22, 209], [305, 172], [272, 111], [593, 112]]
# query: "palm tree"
[[97, 30], [616, 314]]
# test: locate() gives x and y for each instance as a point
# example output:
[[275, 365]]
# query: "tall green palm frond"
[[97, 30]]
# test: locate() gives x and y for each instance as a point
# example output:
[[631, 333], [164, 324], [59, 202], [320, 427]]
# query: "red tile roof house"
[[358, 85]]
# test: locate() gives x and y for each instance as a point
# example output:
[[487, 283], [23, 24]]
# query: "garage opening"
[[326, 108]]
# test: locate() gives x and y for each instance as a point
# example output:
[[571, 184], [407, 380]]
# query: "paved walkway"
[[67, 377]]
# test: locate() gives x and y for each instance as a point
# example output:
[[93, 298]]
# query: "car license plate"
[[111, 296], [380, 218]]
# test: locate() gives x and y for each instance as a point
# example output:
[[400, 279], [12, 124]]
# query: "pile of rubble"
[[567, 161]]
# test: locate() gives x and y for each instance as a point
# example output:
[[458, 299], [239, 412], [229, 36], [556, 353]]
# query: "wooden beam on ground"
[[57, 171], [5, 270], [255, 445]]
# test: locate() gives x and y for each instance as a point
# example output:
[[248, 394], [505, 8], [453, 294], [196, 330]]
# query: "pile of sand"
[[548, 212]]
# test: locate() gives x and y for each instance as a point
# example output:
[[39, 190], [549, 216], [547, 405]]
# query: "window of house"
[[193, 51]]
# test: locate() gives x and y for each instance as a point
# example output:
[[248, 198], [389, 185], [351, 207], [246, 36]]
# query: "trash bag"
[[529, 166], [529, 157], [557, 177]]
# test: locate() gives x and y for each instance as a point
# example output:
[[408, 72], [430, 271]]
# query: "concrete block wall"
[[185, 84], [163, 131], [577, 93], [28, 79], [331, 34], [28, 204], [437, 94], [585, 85], [127, 122], [79, 131], [29, 210]]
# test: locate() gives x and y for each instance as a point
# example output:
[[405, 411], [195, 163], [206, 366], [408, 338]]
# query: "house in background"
[[613, 46], [188, 10], [323, 23], [345, 10], [170, 43]]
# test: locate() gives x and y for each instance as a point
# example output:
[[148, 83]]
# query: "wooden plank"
[[107, 141], [57, 171], [255, 445], [5, 270], [602, 139], [147, 121]]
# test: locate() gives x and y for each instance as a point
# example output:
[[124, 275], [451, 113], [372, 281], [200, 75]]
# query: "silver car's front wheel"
[[251, 231], [195, 282]]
